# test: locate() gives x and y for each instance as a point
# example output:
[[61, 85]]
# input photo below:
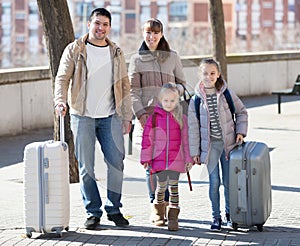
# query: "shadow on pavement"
[[12, 147], [189, 235]]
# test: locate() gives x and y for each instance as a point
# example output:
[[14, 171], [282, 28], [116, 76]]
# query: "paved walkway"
[[280, 132]]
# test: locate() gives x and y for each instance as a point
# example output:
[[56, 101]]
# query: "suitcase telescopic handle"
[[61, 125]]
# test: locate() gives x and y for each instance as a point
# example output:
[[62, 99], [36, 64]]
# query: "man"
[[93, 76]]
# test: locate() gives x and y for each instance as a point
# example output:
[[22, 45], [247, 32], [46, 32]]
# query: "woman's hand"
[[126, 126], [143, 119]]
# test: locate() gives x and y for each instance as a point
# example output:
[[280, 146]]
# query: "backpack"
[[228, 99]]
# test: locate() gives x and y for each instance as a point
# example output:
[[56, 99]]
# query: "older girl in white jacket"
[[215, 132]]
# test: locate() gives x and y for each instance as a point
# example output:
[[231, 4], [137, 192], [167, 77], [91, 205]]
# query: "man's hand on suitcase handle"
[[61, 108]]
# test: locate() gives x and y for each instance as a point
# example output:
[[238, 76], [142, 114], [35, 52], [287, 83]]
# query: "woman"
[[154, 65]]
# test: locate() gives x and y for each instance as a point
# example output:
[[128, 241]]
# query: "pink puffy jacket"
[[169, 143]]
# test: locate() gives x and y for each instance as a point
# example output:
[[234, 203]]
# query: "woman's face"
[[151, 38]]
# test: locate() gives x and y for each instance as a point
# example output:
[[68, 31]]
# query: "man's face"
[[99, 28]]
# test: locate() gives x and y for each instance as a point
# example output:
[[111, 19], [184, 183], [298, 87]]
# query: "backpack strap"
[[229, 101], [197, 105]]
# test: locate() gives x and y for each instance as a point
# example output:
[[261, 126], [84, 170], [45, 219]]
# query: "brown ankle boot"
[[173, 218], [158, 216]]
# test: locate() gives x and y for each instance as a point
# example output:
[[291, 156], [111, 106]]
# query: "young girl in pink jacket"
[[165, 151]]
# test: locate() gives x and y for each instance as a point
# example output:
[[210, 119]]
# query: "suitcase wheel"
[[260, 227], [67, 228], [235, 226], [59, 234], [29, 234]]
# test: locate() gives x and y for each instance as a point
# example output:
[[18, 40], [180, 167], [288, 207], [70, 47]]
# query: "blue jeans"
[[108, 132], [217, 154]]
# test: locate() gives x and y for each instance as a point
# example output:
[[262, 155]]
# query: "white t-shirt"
[[99, 99]]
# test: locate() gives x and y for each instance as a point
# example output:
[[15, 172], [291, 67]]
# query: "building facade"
[[21, 34], [185, 21]]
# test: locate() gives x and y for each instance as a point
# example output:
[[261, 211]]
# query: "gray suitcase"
[[250, 185]]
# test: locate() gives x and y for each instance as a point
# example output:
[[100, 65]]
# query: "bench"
[[287, 92]]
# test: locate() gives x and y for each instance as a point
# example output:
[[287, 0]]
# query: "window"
[[178, 11], [267, 23], [6, 44], [145, 13], [33, 33], [115, 2], [162, 15], [33, 8], [267, 5], [20, 38], [33, 44], [20, 16], [6, 32], [116, 24], [6, 9], [130, 4], [144, 3], [33, 21], [83, 10], [99, 3], [201, 12]]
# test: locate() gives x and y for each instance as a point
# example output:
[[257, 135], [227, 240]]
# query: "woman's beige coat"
[[148, 74]]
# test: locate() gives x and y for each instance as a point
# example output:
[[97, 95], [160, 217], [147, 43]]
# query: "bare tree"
[[218, 34], [58, 31]]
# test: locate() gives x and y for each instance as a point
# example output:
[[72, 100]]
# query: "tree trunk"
[[58, 31], [218, 34]]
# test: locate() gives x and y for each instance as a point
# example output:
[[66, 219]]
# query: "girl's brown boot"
[[173, 218], [158, 216]]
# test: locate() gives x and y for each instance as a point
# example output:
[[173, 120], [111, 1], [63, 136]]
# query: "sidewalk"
[[280, 132]]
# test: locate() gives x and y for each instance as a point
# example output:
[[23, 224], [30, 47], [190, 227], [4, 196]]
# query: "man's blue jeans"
[[108, 131], [217, 154]]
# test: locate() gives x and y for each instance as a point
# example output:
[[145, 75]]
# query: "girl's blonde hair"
[[177, 112]]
